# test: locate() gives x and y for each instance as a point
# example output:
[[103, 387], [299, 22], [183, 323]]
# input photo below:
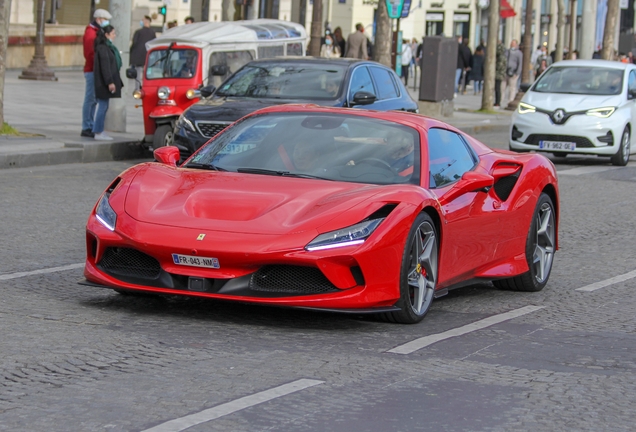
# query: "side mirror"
[[470, 182], [524, 87], [131, 73], [631, 93], [207, 91], [168, 155], [364, 98], [219, 70]]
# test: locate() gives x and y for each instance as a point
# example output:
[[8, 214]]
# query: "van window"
[[294, 49], [271, 51], [165, 63], [234, 60]]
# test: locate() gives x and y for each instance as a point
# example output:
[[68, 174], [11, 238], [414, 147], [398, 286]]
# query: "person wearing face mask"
[[138, 48], [108, 82], [329, 49], [100, 19]]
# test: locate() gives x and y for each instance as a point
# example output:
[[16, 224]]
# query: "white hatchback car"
[[579, 107]]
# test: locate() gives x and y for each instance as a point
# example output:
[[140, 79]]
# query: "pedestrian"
[[108, 83], [339, 40], [189, 20], [467, 54], [482, 45], [407, 56], [542, 62], [514, 63], [500, 72], [329, 49], [138, 48], [100, 19], [476, 73], [357, 44], [463, 63]]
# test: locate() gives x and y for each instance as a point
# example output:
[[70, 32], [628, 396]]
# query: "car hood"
[[234, 202], [569, 102], [232, 109]]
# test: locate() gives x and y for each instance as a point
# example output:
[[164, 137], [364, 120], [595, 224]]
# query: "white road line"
[[425, 341], [41, 271], [585, 170], [188, 421], [602, 284]]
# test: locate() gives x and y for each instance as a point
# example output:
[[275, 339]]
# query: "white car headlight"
[[525, 108], [601, 112], [350, 236], [105, 213], [163, 93], [183, 122]]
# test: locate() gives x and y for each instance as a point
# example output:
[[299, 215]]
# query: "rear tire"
[[418, 275], [164, 136], [622, 155], [540, 248]]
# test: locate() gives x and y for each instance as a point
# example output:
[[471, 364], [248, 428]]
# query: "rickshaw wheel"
[[163, 136]]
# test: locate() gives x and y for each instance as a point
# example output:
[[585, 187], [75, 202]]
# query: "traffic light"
[[162, 10]]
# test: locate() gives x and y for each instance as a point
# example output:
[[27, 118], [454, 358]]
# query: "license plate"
[[195, 261], [557, 145]]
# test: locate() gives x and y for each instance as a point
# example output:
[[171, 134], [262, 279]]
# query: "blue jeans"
[[88, 109], [458, 75], [100, 115], [478, 85]]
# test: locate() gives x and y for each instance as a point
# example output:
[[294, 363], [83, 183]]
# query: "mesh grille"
[[580, 141], [291, 280], [504, 186], [209, 129], [129, 262]]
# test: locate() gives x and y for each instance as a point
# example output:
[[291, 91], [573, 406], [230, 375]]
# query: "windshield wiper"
[[210, 167], [278, 173]]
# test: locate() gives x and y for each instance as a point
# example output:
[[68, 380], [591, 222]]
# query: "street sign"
[[394, 7], [406, 8]]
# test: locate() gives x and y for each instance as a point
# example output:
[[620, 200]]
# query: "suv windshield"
[[285, 81], [580, 80], [166, 63]]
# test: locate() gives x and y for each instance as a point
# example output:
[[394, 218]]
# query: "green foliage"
[[8, 130]]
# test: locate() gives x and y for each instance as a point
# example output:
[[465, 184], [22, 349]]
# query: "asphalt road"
[[89, 359]]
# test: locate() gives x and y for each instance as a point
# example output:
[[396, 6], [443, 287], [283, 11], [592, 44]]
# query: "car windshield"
[[581, 80], [166, 63], [285, 81], [335, 147]]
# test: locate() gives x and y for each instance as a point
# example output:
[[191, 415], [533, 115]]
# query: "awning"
[[505, 10]]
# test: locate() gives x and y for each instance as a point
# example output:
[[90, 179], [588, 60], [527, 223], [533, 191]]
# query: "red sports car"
[[328, 208]]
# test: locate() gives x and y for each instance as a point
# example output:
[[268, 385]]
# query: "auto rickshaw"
[[188, 62]]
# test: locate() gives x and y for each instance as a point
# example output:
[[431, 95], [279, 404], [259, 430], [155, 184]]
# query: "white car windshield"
[[315, 145], [580, 80]]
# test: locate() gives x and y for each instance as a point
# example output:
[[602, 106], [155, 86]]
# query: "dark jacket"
[[463, 56], [106, 72], [138, 47], [476, 68]]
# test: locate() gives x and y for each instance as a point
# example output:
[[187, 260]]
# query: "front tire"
[[163, 136], [622, 155], [540, 248], [418, 275]]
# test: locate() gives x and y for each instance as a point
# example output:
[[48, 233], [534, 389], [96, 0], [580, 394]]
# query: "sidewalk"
[[51, 112]]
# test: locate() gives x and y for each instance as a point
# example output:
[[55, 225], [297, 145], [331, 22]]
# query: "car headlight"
[[105, 213], [193, 94], [163, 93], [601, 112], [184, 122], [525, 108], [350, 236]]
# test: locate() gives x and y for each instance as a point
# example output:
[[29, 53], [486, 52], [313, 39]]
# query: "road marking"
[[425, 341], [41, 271], [602, 284], [188, 421], [585, 170]]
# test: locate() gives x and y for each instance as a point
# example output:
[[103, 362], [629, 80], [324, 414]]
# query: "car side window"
[[631, 84], [449, 157], [384, 82], [361, 81]]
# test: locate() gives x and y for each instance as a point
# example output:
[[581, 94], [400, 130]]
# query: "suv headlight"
[[105, 213], [184, 122], [525, 108], [350, 236], [601, 112]]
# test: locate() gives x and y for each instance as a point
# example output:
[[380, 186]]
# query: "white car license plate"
[[557, 145], [195, 261]]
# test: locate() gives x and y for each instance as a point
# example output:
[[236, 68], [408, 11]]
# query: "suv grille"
[[129, 262], [580, 141], [209, 129], [291, 280]]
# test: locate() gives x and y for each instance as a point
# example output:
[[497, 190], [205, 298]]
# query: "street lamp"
[[39, 69]]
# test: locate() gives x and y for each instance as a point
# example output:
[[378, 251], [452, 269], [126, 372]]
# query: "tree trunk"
[[527, 44], [573, 18], [316, 29], [488, 95], [382, 47], [5, 11], [558, 54], [611, 21]]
